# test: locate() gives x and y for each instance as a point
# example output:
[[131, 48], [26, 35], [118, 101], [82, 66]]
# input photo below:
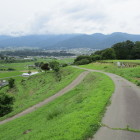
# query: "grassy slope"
[[38, 87], [130, 61], [73, 116], [132, 74]]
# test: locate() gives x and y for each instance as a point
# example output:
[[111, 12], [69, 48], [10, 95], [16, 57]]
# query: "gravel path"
[[60, 93], [123, 111]]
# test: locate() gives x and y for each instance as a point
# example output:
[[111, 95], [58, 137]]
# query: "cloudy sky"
[[73, 16]]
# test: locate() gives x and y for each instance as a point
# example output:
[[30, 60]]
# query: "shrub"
[[82, 62], [64, 65], [10, 69], [11, 82], [6, 103], [138, 83]]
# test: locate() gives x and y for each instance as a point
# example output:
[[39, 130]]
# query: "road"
[[123, 111], [60, 93]]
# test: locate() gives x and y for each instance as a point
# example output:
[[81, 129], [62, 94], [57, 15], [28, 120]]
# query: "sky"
[[23, 17]]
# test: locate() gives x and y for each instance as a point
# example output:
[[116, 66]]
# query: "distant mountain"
[[3, 37], [67, 41]]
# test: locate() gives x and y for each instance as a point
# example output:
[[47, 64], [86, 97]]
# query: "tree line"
[[35, 53], [126, 50]]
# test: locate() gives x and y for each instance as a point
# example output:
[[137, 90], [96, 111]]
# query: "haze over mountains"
[[67, 41]]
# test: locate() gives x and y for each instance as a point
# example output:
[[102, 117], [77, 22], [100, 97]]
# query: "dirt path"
[[124, 111], [60, 93]]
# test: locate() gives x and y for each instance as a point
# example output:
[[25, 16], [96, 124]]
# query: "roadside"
[[60, 93], [124, 110]]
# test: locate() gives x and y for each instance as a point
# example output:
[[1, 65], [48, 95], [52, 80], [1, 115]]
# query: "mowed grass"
[[73, 116], [132, 73], [28, 92]]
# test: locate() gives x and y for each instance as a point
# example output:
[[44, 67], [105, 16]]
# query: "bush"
[[10, 69], [6, 103], [95, 57], [64, 65], [82, 62], [11, 82], [138, 83], [54, 65]]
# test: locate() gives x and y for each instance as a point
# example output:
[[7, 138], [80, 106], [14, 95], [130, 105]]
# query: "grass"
[[9, 74], [132, 73], [124, 129], [17, 66], [24, 65], [28, 92], [73, 116], [129, 61]]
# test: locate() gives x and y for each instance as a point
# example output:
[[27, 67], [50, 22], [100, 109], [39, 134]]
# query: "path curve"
[[124, 110], [49, 99]]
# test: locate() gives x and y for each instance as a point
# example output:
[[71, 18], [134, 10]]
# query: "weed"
[[54, 112]]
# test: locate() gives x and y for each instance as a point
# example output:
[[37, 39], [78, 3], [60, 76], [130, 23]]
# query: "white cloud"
[[75, 16]]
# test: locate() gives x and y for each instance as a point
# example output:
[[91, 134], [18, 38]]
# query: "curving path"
[[123, 111], [60, 93]]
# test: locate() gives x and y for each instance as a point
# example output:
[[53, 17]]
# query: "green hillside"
[[34, 89], [73, 116]]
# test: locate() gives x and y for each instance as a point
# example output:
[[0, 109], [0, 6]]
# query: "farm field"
[[34, 89], [20, 68], [9, 74], [130, 73], [75, 115]]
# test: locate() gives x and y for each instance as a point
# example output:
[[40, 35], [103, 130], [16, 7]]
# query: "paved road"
[[124, 110], [60, 93]]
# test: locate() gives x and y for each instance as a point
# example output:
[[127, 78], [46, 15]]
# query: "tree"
[[29, 72], [54, 65], [123, 49], [45, 67], [82, 59], [95, 57], [135, 53], [11, 82], [6, 103], [108, 54]]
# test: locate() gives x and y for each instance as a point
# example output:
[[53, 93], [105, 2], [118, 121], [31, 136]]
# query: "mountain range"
[[67, 41]]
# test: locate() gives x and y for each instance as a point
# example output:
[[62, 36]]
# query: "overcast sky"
[[69, 16]]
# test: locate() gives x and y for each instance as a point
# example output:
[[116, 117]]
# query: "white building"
[[29, 74]]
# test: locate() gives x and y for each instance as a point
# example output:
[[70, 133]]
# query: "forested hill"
[[95, 41]]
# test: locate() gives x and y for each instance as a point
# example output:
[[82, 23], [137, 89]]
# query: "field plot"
[[73, 116]]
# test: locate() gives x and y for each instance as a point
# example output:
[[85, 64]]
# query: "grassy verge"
[[132, 74], [28, 92], [73, 116], [129, 61]]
